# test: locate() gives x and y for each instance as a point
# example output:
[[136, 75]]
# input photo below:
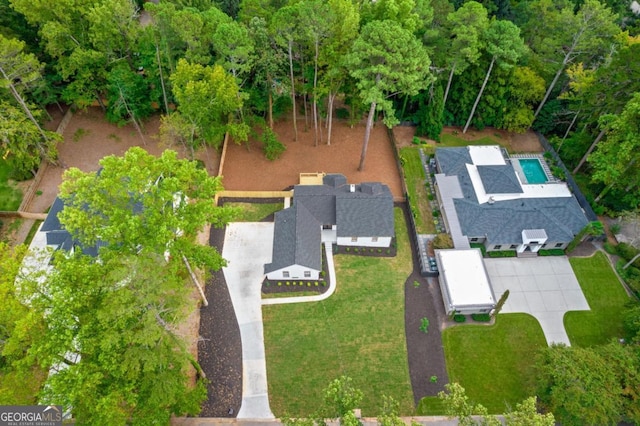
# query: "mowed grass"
[[606, 298], [254, 212], [447, 139], [10, 196], [495, 363], [358, 332], [415, 179]]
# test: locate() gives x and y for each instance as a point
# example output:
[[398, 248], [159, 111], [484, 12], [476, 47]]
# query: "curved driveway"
[[247, 247]]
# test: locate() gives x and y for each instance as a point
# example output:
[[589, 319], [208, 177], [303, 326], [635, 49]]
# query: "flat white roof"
[[543, 190], [487, 155], [464, 274]]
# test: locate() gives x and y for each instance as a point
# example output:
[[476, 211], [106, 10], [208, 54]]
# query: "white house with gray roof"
[[488, 197], [338, 212]]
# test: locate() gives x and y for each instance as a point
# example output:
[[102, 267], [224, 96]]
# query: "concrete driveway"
[[544, 287], [247, 247]]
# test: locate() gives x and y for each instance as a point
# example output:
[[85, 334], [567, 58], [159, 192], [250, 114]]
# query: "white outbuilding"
[[464, 282]]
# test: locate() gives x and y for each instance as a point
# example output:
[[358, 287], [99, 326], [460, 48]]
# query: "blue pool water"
[[533, 171]]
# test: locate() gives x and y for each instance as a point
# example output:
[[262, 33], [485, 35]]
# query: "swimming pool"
[[533, 171]]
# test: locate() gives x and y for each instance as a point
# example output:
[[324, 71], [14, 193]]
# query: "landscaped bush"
[[502, 253], [272, 147], [442, 241], [459, 318], [631, 276], [480, 246], [551, 252], [481, 317], [627, 251], [609, 248], [342, 113]]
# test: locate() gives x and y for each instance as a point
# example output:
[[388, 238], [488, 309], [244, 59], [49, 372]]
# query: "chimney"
[[352, 187]]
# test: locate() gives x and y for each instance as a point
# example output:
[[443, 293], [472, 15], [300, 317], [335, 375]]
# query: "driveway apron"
[[247, 248]]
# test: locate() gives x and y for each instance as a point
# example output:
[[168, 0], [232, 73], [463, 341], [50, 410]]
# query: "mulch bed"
[[220, 346], [424, 350]]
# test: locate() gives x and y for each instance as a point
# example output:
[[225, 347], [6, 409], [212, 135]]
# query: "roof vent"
[[352, 187], [491, 200]]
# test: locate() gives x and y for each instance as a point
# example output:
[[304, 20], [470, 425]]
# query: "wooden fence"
[[23, 215]]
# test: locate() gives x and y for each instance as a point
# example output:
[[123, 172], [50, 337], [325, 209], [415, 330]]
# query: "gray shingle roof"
[[503, 221], [499, 179], [296, 240], [320, 200], [367, 212], [58, 236], [52, 223]]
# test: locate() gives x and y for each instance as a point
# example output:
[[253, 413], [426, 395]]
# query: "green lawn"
[[494, 363], [255, 212], [606, 299], [447, 139], [10, 196], [415, 180], [358, 331]]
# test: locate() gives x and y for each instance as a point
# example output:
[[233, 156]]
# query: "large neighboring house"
[[337, 212], [503, 202], [59, 238]]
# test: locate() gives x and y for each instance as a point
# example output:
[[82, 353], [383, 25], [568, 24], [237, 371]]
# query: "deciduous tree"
[[561, 37], [21, 142], [588, 385], [140, 203], [208, 97], [615, 161]]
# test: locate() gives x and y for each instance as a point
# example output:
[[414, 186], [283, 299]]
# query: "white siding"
[[365, 241], [296, 272]]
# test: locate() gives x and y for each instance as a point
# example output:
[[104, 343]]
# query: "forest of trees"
[[567, 68]]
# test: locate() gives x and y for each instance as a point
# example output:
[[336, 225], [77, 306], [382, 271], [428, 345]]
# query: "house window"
[[354, 239], [558, 245], [374, 239], [327, 227], [514, 246], [497, 247], [473, 240], [307, 274], [533, 242], [285, 274]]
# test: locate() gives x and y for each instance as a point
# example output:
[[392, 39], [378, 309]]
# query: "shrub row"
[[502, 253], [364, 250], [299, 283], [551, 252]]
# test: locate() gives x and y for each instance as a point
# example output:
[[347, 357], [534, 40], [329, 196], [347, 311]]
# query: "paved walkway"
[[332, 284], [544, 287], [247, 247]]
